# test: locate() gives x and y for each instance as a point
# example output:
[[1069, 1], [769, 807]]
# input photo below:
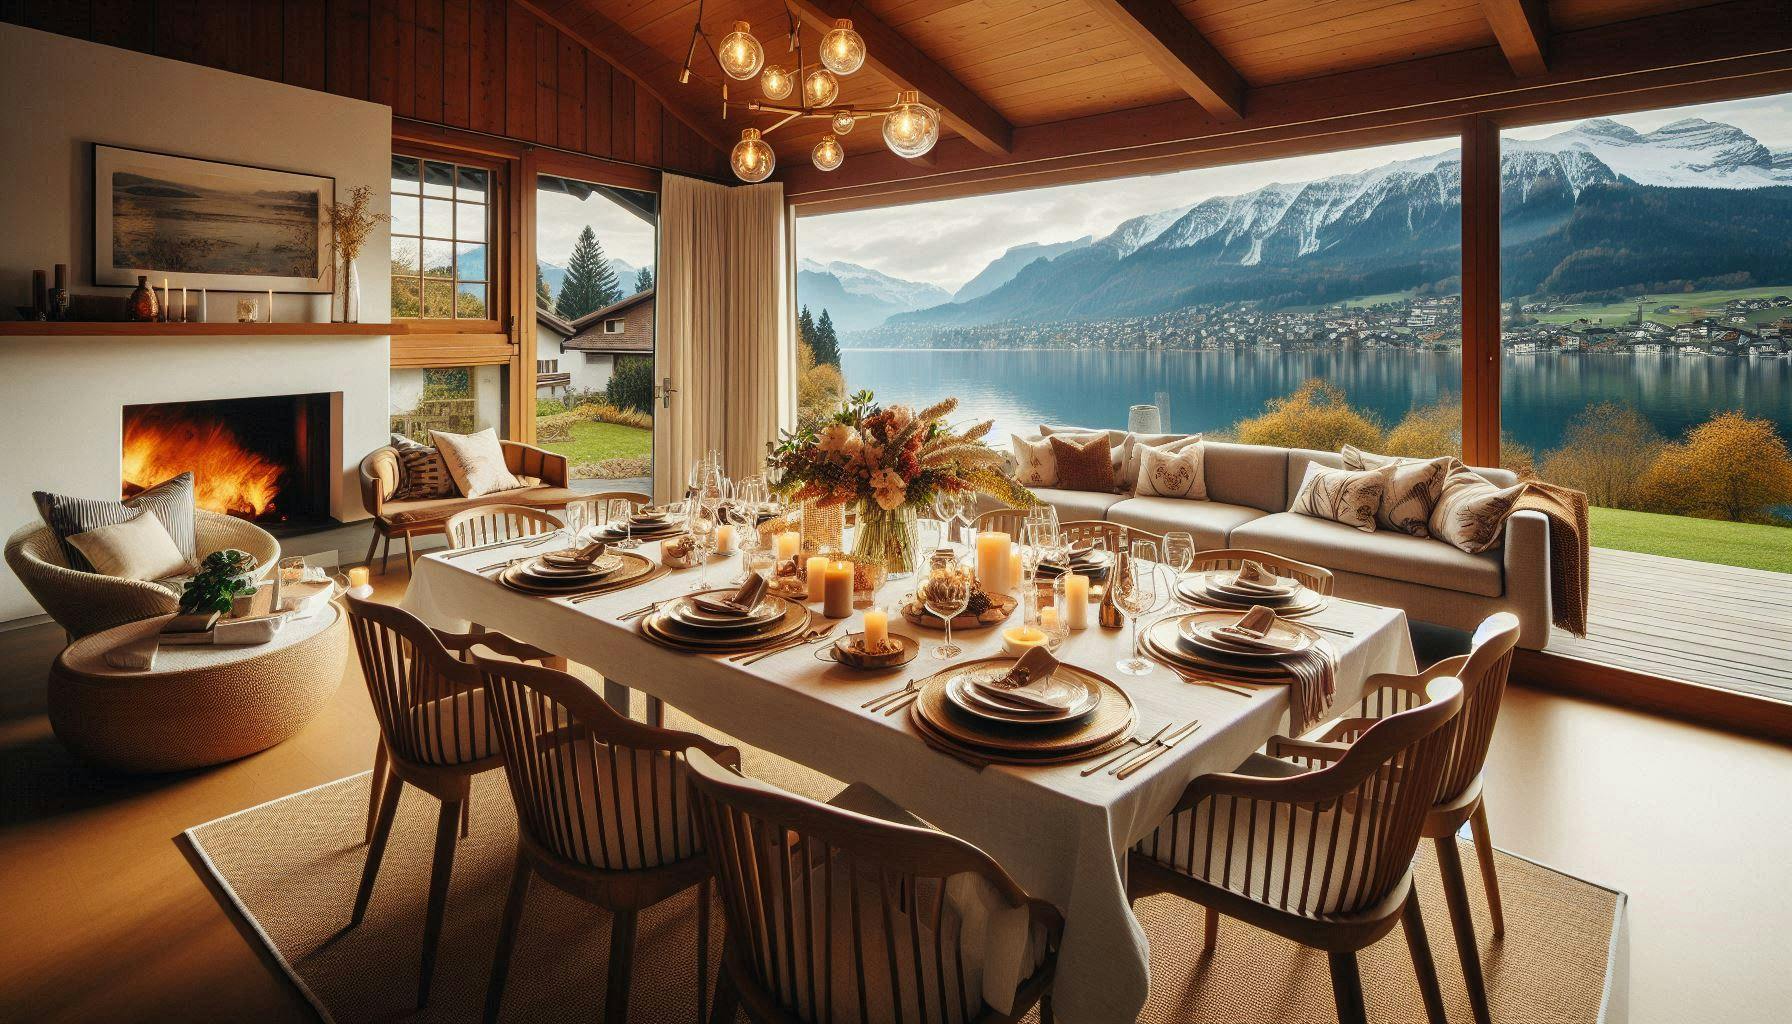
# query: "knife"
[[1162, 745]]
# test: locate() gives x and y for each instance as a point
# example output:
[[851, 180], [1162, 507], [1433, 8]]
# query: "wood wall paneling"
[[597, 108], [547, 73], [302, 50], [569, 95], [348, 34], [519, 87], [486, 42], [457, 64], [429, 62]]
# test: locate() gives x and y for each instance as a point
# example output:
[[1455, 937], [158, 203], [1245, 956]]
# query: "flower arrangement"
[[351, 222], [890, 461]]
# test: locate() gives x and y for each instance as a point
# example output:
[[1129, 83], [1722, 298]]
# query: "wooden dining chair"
[[604, 813], [1483, 673], [1321, 857], [1005, 520], [1315, 578], [490, 524], [435, 734], [835, 915], [1081, 531]]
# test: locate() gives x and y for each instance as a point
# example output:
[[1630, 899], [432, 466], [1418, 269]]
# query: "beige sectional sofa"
[[1249, 489]]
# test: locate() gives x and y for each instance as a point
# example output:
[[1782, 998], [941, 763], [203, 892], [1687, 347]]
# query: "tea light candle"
[[358, 584], [992, 561], [877, 628], [1076, 601], [788, 544], [725, 538], [818, 567], [1017, 640], [836, 600]]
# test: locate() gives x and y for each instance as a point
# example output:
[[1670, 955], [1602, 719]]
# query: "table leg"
[[616, 695]]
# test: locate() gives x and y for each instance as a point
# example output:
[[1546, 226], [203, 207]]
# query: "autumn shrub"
[[1427, 432], [820, 387], [1605, 452], [1729, 467], [1316, 416]]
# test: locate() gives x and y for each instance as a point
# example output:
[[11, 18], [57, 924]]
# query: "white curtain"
[[722, 300]]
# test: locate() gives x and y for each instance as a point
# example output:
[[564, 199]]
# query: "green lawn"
[[594, 442], [1702, 540], [1712, 303]]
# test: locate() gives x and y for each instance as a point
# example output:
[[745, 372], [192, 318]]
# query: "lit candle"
[[788, 544], [877, 629], [1076, 600], [725, 538], [1048, 617], [992, 561], [1014, 566], [818, 567], [167, 309], [358, 583], [1017, 640], [837, 590]]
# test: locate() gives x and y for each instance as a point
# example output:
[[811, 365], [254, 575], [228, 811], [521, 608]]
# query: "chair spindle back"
[[423, 697], [490, 524]]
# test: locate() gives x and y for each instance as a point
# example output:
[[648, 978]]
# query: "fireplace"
[[267, 460]]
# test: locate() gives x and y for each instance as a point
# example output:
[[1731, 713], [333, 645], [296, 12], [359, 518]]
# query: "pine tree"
[[590, 283], [827, 343], [544, 299], [805, 327], [643, 280]]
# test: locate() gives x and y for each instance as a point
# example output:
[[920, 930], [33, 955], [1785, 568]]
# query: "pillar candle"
[[725, 538], [358, 584], [992, 561], [1014, 566], [1048, 617], [788, 544], [818, 567], [1076, 599], [837, 590], [877, 628]]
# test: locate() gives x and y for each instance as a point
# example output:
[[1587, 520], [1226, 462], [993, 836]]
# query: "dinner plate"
[[1015, 742], [601, 567], [667, 630], [1094, 564], [1288, 589], [967, 698], [634, 569], [1162, 640], [1196, 591], [1200, 629], [686, 612]]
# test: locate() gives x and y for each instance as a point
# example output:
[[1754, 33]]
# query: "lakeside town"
[[1751, 327]]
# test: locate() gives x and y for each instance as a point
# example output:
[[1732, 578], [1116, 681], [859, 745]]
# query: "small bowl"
[[845, 651]]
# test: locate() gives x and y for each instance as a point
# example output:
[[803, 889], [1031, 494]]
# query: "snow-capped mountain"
[[858, 297], [1690, 153], [1138, 232], [1002, 269]]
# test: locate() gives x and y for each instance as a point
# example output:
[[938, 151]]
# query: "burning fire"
[[227, 477]]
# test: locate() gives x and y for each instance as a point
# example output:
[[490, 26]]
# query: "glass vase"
[[823, 527], [347, 296], [887, 536]]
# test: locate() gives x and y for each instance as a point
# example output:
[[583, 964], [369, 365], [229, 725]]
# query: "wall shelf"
[[69, 329]]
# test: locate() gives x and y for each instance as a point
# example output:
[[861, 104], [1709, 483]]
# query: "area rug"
[[290, 869]]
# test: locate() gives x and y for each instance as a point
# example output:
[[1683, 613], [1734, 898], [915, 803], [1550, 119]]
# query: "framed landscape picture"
[[202, 224]]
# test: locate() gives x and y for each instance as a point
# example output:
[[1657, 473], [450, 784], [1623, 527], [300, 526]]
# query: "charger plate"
[[634, 570], [1196, 591], [979, 757], [1198, 630], [685, 612], [668, 632], [1160, 640], [1113, 717]]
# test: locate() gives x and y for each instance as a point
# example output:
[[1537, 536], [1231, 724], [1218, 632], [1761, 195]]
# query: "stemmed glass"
[[745, 517], [946, 592], [949, 506], [1179, 554], [1136, 595], [577, 516], [700, 520], [622, 513]]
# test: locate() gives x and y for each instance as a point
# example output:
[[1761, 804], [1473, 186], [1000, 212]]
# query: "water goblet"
[[745, 519], [1136, 595], [946, 592], [1179, 554], [621, 516]]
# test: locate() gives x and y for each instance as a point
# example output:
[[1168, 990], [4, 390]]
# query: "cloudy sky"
[[948, 242], [560, 218]]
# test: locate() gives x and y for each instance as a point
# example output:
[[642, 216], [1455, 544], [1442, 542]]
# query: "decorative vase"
[[349, 310], [887, 537], [143, 307], [823, 526]]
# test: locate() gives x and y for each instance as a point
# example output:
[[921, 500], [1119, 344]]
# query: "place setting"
[[1251, 585], [746, 621], [642, 526], [1086, 559], [578, 573], [1246, 648]]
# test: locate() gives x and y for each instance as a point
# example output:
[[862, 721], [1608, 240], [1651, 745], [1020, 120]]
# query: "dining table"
[[1062, 835]]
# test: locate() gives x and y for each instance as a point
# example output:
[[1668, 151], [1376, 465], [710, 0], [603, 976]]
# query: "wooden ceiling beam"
[[696, 104], [890, 54], [1181, 52], [1522, 27], [1722, 51]]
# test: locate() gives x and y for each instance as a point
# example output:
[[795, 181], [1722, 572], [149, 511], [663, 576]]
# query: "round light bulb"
[[828, 154], [740, 54], [912, 128], [843, 123], [776, 82], [820, 87], [752, 159], [842, 49]]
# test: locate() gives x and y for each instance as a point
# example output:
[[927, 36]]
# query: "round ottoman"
[[200, 705]]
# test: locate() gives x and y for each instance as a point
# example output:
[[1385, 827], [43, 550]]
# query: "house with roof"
[[580, 355]]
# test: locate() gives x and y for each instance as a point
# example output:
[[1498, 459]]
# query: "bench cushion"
[[1247, 474], [1384, 553], [1076, 505], [1210, 522], [435, 510]]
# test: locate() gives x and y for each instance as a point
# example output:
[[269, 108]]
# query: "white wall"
[[61, 399]]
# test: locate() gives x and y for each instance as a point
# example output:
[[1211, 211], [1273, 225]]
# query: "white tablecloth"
[[1063, 837]]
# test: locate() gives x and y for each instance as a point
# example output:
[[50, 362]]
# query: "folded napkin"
[[1255, 629], [1029, 684], [742, 603], [1256, 577], [1313, 678], [136, 655]]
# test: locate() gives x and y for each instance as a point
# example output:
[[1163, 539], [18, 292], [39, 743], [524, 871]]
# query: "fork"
[[813, 636], [1159, 748], [1126, 751], [907, 688]]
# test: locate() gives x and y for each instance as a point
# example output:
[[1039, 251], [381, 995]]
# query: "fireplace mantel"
[[69, 329]]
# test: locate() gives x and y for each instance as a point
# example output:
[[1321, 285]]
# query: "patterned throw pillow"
[[475, 461], [1135, 453], [1036, 465], [422, 473], [1174, 470], [1341, 495], [1084, 465], [1414, 487], [1119, 444], [1472, 512], [170, 501]]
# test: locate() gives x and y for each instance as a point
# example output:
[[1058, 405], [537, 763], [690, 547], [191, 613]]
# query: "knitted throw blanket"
[[1566, 510]]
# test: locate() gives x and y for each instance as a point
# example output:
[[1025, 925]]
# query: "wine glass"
[[946, 592], [1179, 553], [700, 522], [949, 506], [1136, 595], [622, 514], [1048, 536], [577, 516], [745, 518]]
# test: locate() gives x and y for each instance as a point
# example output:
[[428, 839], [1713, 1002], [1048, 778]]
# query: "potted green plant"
[[223, 577]]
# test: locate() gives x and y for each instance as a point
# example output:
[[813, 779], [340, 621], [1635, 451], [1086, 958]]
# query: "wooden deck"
[[1694, 621]]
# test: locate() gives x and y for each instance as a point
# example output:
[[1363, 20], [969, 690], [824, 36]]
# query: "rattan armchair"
[[87, 602]]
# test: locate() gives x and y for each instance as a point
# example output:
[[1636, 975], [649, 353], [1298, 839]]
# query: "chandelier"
[[811, 81]]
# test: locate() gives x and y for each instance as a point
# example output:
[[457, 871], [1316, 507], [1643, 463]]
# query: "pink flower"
[[888, 480], [834, 438], [891, 499]]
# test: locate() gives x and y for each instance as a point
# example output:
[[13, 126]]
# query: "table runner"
[[1063, 837]]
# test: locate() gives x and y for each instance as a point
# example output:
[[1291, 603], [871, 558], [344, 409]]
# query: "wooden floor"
[[102, 918], [1719, 625]]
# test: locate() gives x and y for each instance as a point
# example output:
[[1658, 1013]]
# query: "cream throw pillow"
[[1414, 487], [475, 461], [140, 548], [1036, 465], [1129, 473], [1472, 512], [1341, 495], [1174, 470]]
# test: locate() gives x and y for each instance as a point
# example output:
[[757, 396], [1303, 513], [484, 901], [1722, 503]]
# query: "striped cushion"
[[422, 472], [170, 501]]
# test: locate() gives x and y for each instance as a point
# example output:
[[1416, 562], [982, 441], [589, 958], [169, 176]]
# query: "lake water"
[[1214, 390]]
